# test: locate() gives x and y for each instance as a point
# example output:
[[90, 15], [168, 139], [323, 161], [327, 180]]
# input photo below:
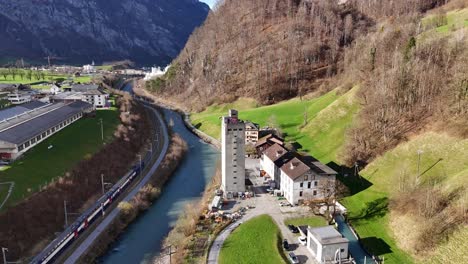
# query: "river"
[[142, 239]]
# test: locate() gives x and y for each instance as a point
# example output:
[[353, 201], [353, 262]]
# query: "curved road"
[[88, 242]]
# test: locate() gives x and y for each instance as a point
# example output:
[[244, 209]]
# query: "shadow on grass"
[[373, 209], [355, 184], [376, 245]]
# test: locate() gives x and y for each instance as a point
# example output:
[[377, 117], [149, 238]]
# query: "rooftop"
[[20, 129], [20, 109], [267, 138], [84, 87], [327, 235], [275, 152], [295, 168]]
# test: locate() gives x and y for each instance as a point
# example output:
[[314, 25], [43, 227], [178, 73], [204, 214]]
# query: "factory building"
[[23, 131], [233, 154]]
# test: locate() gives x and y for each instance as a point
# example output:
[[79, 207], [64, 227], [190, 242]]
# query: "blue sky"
[[209, 2]]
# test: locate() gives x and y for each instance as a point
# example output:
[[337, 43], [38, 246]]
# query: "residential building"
[[24, 131], [55, 89], [89, 68], [251, 133], [17, 98], [67, 97], [305, 178], [266, 142], [92, 94], [272, 155], [233, 154], [327, 245]]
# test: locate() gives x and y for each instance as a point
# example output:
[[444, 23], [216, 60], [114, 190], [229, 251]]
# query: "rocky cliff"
[[78, 31]]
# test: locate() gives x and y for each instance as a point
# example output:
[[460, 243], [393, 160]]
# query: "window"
[[342, 250], [240, 129], [315, 192], [300, 194], [44, 134], [235, 182], [306, 177], [235, 177], [33, 141], [315, 183], [20, 147], [38, 138], [234, 172], [309, 184], [301, 185]]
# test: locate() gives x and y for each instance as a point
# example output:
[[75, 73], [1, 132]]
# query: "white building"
[[19, 98], [155, 73], [55, 89], [251, 133], [92, 94], [303, 180], [327, 245], [272, 159], [233, 154], [89, 68]]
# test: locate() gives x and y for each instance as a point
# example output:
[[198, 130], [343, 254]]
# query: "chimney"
[[278, 153], [292, 166]]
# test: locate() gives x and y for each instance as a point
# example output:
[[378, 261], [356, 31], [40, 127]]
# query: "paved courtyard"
[[263, 203]]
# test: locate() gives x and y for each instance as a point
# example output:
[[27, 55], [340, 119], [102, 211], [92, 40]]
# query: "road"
[[88, 242], [263, 204]]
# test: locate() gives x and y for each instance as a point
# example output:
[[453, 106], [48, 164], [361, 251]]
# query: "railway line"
[[104, 208]]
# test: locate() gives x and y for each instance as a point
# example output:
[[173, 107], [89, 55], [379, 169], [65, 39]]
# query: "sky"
[[209, 2]]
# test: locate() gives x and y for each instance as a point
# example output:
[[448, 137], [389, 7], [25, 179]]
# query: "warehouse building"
[[22, 132]]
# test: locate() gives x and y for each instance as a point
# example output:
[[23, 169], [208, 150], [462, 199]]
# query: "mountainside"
[[78, 31], [379, 86]]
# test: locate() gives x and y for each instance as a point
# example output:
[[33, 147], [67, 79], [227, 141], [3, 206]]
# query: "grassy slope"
[[313, 221], [388, 174], [456, 19], [252, 242], [328, 117], [40, 165]]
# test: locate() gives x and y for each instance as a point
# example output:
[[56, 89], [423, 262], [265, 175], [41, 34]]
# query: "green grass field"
[[40, 165], [313, 221], [328, 117], [255, 241], [49, 77], [456, 20], [443, 161]]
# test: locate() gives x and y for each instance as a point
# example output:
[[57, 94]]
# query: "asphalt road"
[[88, 242]]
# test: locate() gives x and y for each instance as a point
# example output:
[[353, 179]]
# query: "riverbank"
[[129, 211], [179, 109], [193, 234]]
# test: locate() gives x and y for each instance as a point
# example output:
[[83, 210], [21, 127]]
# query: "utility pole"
[[4, 250], [102, 130], [102, 183], [66, 215]]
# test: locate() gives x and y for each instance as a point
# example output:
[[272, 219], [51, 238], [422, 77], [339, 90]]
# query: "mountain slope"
[[147, 32]]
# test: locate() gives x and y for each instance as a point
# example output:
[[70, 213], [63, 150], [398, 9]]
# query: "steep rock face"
[[145, 31]]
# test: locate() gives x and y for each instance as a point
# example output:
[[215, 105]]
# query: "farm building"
[[21, 132]]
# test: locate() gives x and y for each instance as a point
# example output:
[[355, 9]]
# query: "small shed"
[[217, 203]]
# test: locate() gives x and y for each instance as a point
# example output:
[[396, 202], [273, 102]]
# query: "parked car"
[[302, 240], [293, 258], [285, 244], [293, 229], [283, 204]]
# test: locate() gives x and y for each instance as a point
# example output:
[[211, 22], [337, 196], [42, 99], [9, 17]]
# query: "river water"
[[142, 240]]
